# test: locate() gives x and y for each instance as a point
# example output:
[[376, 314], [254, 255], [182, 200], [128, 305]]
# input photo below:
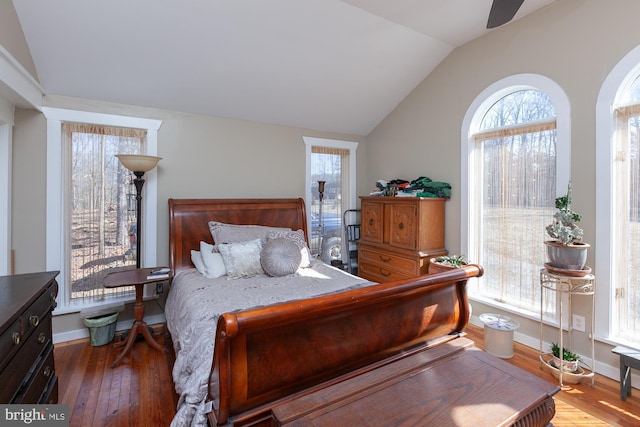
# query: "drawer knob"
[[385, 274], [15, 338], [42, 338], [371, 221], [47, 371], [34, 320], [401, 226], [384, 259]]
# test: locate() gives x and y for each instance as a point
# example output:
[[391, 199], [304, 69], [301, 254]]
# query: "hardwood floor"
[[577, 404], [139, 391]]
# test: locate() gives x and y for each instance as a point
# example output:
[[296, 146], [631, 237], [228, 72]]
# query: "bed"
[[300, 348]]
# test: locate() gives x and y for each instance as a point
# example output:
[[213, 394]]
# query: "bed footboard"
[[268, 354]]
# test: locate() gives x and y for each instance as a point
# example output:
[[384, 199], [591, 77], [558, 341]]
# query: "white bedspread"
[[195, 303]]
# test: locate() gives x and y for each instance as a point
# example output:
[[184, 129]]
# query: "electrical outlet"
[[159, 288], [577, 323]]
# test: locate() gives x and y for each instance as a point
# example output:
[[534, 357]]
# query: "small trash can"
[[498, 334], [102, 328]]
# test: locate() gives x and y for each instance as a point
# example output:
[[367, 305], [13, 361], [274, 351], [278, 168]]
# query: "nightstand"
[[138, 278]]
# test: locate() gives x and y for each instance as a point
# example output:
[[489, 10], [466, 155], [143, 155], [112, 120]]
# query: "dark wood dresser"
[[27, 371]]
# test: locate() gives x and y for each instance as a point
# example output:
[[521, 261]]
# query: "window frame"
[[56, 218], [331, 143], [471, 124], [6, 137], [618, 81]]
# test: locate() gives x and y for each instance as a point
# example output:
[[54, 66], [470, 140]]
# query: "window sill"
[[98, 307]]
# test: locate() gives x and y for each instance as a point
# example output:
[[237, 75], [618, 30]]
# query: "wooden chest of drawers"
[[27, 370], [398, 235]]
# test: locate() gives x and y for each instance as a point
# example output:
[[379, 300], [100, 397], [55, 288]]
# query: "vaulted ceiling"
[[330, 65]]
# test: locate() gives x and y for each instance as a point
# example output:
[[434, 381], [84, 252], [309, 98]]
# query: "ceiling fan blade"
[[502, 11]]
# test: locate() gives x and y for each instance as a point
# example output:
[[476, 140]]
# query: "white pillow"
[[234, 233], [208, 246], [213, 263], [196, 259], [242, 259]]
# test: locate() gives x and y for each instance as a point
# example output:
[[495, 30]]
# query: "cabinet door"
[[371, 227], [402, 226]]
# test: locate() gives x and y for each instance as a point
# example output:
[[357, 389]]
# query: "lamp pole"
[[139, 182], [138, 164], [320, 225]]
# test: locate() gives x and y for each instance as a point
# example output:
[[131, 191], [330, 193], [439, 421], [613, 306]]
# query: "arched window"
[[618, 203], [510, 176]]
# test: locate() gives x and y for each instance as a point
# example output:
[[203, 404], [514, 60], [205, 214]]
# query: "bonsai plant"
[[566, 250], [564, 227], [569, 360], [446, 262]]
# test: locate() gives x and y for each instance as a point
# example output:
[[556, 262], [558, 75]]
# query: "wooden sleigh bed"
[[372, 354]]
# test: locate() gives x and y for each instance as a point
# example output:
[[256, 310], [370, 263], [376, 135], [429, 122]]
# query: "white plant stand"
[[568, 286]]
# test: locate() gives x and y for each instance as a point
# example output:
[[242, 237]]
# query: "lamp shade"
[[138, 162]]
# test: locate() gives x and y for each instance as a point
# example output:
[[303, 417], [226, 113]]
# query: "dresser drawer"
[[26, 344], [10, 342], [390, 261], [22, 364], [20, 330], [378, 273], [32, 391], [50, 395], [34, 314]]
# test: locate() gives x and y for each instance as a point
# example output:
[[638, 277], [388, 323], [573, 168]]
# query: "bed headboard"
[[189, 221]]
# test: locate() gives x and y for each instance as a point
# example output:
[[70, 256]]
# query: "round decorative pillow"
[[280, 257]]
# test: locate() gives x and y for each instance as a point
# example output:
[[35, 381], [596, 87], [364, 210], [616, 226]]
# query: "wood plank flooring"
[[139, 391]]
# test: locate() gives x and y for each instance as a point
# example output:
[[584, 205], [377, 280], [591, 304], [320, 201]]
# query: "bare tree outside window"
[[626, 302], [103, 215], [516, 157], [327, 164]]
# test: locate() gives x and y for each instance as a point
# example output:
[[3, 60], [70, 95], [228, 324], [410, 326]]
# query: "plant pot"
[[435, 267], [567, 366], [567, 377], [568, 257]]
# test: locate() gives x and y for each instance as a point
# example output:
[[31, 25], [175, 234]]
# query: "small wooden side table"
[[629, 358], [137, 278]]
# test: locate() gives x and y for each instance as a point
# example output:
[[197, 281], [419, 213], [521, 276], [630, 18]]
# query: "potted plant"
[[569, 361], [446, 262], [566, 251]]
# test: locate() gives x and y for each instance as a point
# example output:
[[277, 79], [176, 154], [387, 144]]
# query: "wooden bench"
[[629, 358]]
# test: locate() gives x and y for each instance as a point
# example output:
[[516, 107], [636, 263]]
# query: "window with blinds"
[[514, 185], [331, 165], [625, 225], [102, 207]]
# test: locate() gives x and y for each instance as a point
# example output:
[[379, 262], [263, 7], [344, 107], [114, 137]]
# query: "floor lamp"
[[320, 224], [138, 164]]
